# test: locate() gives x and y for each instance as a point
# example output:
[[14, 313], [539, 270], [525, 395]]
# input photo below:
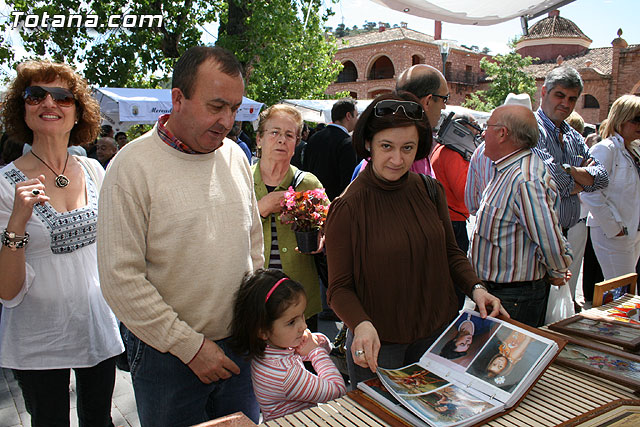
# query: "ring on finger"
[[359, 353], [35, 192]]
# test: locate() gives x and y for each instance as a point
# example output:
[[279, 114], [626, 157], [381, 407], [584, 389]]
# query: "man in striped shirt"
[[517, 246], [567, 157]]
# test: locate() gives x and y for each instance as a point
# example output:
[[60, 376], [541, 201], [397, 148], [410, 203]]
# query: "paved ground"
[[123, 408]]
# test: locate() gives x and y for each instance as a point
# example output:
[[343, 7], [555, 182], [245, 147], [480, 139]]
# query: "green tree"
[[281, 42], [283, 47], [507, 74], [116, 56]]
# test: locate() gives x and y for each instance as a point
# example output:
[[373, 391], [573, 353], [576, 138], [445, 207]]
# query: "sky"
[[598, 19]]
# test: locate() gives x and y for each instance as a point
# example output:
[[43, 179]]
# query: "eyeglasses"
[[486, 126], [34, 95], [412, 110], [277, 133], [445, 98]]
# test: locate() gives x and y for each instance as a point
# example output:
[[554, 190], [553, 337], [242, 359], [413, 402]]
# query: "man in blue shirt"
[[566, 156]]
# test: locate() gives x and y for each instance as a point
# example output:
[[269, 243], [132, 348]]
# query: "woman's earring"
[[259, 151]]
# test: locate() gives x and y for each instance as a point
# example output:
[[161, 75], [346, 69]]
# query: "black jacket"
[[330, 156]]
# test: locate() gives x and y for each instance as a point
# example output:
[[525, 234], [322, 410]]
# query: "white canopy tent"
[[319, 110], [125, 107], [474, 12]]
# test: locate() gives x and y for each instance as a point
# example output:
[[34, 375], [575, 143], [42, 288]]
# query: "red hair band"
[[273, 288]]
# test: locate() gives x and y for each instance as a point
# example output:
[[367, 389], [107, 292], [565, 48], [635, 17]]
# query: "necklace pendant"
[[62, 181]]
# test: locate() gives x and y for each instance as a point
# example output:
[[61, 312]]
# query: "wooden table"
[[559, 395]]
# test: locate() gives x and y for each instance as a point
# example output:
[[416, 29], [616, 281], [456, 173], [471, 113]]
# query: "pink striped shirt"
[[282, 384]]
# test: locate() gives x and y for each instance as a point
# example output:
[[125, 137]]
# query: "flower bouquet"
[[306, 211]]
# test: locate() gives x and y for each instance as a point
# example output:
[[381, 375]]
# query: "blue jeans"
[[525, 302], [169, 394]]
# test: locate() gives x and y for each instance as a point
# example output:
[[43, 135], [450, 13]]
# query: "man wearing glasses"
[[567, 157], [517, 244], [428, 84]]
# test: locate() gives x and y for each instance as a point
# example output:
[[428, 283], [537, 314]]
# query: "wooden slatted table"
[[559, 395]]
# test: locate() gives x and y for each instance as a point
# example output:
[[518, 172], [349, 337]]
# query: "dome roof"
[[554, 26]]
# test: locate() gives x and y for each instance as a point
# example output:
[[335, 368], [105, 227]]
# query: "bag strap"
[[97, 179], [297, 178], [432, 188]]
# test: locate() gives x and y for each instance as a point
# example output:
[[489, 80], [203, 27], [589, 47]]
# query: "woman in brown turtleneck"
[[393, 259]]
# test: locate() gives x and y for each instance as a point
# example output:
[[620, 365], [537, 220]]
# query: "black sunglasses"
[[445, 98], [34, 95], [412, 110]]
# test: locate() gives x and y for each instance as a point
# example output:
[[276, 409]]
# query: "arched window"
[[353, 95], [349, 73], [382, 69], [591, 102], [375, 93], [415, 59]]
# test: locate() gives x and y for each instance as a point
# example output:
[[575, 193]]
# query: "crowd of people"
[[177, 253]]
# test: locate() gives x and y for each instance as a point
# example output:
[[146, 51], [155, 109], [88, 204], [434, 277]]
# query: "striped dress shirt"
[[282, 384], [572, 151], [517, 237]]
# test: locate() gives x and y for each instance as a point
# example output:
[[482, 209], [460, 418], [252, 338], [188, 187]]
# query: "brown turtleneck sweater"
[[388, 249]]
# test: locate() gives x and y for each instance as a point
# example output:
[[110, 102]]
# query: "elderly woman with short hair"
[[54, 317], [279, 129], [614, 212]]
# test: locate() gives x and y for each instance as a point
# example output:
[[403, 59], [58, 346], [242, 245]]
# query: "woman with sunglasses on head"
[[614, 211], [393, 258], [54, 317], [279, 129]]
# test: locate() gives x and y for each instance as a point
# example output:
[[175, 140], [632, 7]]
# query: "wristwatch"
[[478, 286]]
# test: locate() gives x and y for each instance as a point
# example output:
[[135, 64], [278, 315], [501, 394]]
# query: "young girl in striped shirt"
[[269, 326]]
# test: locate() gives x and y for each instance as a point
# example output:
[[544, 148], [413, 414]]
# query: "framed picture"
[[612, 289], [619, 413], [602, 361], [620, 334]]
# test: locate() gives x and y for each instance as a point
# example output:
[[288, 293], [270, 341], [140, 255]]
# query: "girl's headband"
[[273, 288]]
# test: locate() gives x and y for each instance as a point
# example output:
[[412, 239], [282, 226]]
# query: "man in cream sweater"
[[178, 228]]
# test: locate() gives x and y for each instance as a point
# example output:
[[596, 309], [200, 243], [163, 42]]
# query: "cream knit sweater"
[[176, 234]]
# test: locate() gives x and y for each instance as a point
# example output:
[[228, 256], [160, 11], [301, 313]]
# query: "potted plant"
[[306, 211]]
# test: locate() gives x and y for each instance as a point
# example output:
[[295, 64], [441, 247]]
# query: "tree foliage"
[[283, 47], [282, 43], [507, 74]]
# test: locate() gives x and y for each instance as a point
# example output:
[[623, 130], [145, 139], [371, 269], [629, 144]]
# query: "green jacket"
[[297, 266]]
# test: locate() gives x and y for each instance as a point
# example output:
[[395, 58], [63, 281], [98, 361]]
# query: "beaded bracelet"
[[13, 241]]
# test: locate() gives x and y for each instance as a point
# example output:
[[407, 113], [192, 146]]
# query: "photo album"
[[477, 368]]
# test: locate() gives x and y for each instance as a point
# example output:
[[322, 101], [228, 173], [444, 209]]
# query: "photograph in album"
[[465, 338], [507, 359], [412, 379], [448, 406]]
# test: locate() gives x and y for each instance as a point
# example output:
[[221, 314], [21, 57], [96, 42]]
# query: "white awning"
[[474, 12], [125, 107]]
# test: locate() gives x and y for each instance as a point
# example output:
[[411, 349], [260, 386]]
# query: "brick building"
[[373, 60], [608, 72]]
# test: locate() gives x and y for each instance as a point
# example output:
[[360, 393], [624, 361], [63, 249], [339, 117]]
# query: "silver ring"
[[359, 353], [35, 192]]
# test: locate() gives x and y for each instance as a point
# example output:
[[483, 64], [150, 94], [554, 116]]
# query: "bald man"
[[517, 246], [429, 85]]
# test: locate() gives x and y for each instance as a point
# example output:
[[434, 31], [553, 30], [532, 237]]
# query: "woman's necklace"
[[61, 180]]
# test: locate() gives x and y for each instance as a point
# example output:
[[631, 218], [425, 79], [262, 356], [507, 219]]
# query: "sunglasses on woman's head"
[[412, 110], [34, 95]]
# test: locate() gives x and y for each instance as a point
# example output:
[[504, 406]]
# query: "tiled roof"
[[554, 26], [600, 57], [390, 35]]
